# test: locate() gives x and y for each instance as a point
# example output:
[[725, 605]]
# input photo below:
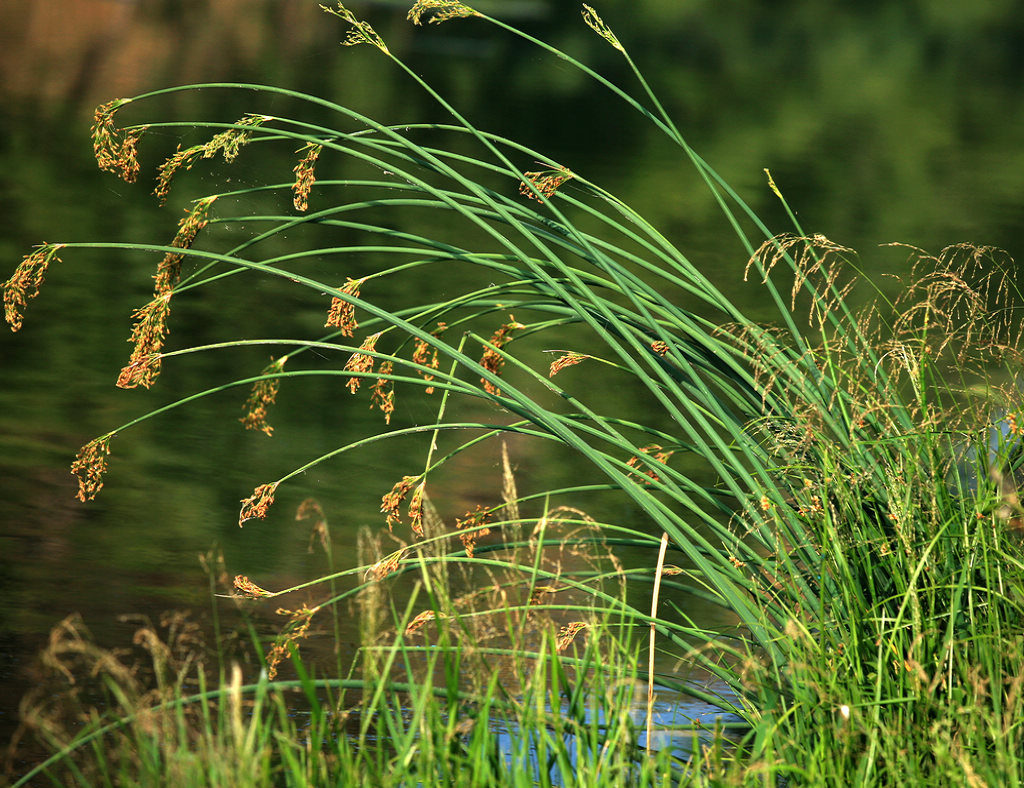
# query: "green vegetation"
[[841, 485]]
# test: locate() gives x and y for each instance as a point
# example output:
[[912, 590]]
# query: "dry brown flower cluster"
[[391, 502], [147, 341], [169, 270], [567, 634], [546, 183], [89, 466], [295, 630], [150, 325], [305, 175], [385, 566], [472, 526], [425, 355], [263, 394], [244, 585], [565, 360], [416, 509], [25, 281], [116, 150], [361, 361], [653, 452], [342, 314], [417, 623], [382, 393], [257, 504], [492, 360]]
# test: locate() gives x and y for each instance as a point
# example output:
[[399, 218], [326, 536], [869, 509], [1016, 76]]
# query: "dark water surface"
[[880, 121]]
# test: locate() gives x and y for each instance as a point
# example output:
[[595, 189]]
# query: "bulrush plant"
[[839, 483]]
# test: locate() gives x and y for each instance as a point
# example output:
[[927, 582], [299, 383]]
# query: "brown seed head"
[[390, 503], [166, 171], [89, 466], [361, 361], [546, 183], [385, 566], [262, 396], [416, 510], [563, 361], [305, 175], [567, 634], [115, 151], [417, 623], [228, 143], [472, 526], [382, 393], [492, 359], [257, 504], [24, 283], [295, 630], [249, 588], [147, 340], [655, 453], [423, 354], [169, 269], [342, 314]]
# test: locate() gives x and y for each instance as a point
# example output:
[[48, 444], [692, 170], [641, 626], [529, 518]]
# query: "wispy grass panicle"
[[90, 465], [305, 175], [24, 283], [595, 23], [228, 143], [814, 259], [361, 32], [438, 11], [263, 395]]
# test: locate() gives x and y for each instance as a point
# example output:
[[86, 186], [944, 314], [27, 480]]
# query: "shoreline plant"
[[841, 484]]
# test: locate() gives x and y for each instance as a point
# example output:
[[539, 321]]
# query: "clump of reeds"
[[842, 487]]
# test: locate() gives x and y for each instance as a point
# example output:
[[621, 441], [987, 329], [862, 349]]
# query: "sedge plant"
[[841, 484]]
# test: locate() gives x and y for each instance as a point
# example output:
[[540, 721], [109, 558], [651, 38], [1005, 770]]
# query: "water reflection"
[[881, 124]]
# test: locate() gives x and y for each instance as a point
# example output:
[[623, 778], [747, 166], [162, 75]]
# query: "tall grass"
[[841, 484]]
